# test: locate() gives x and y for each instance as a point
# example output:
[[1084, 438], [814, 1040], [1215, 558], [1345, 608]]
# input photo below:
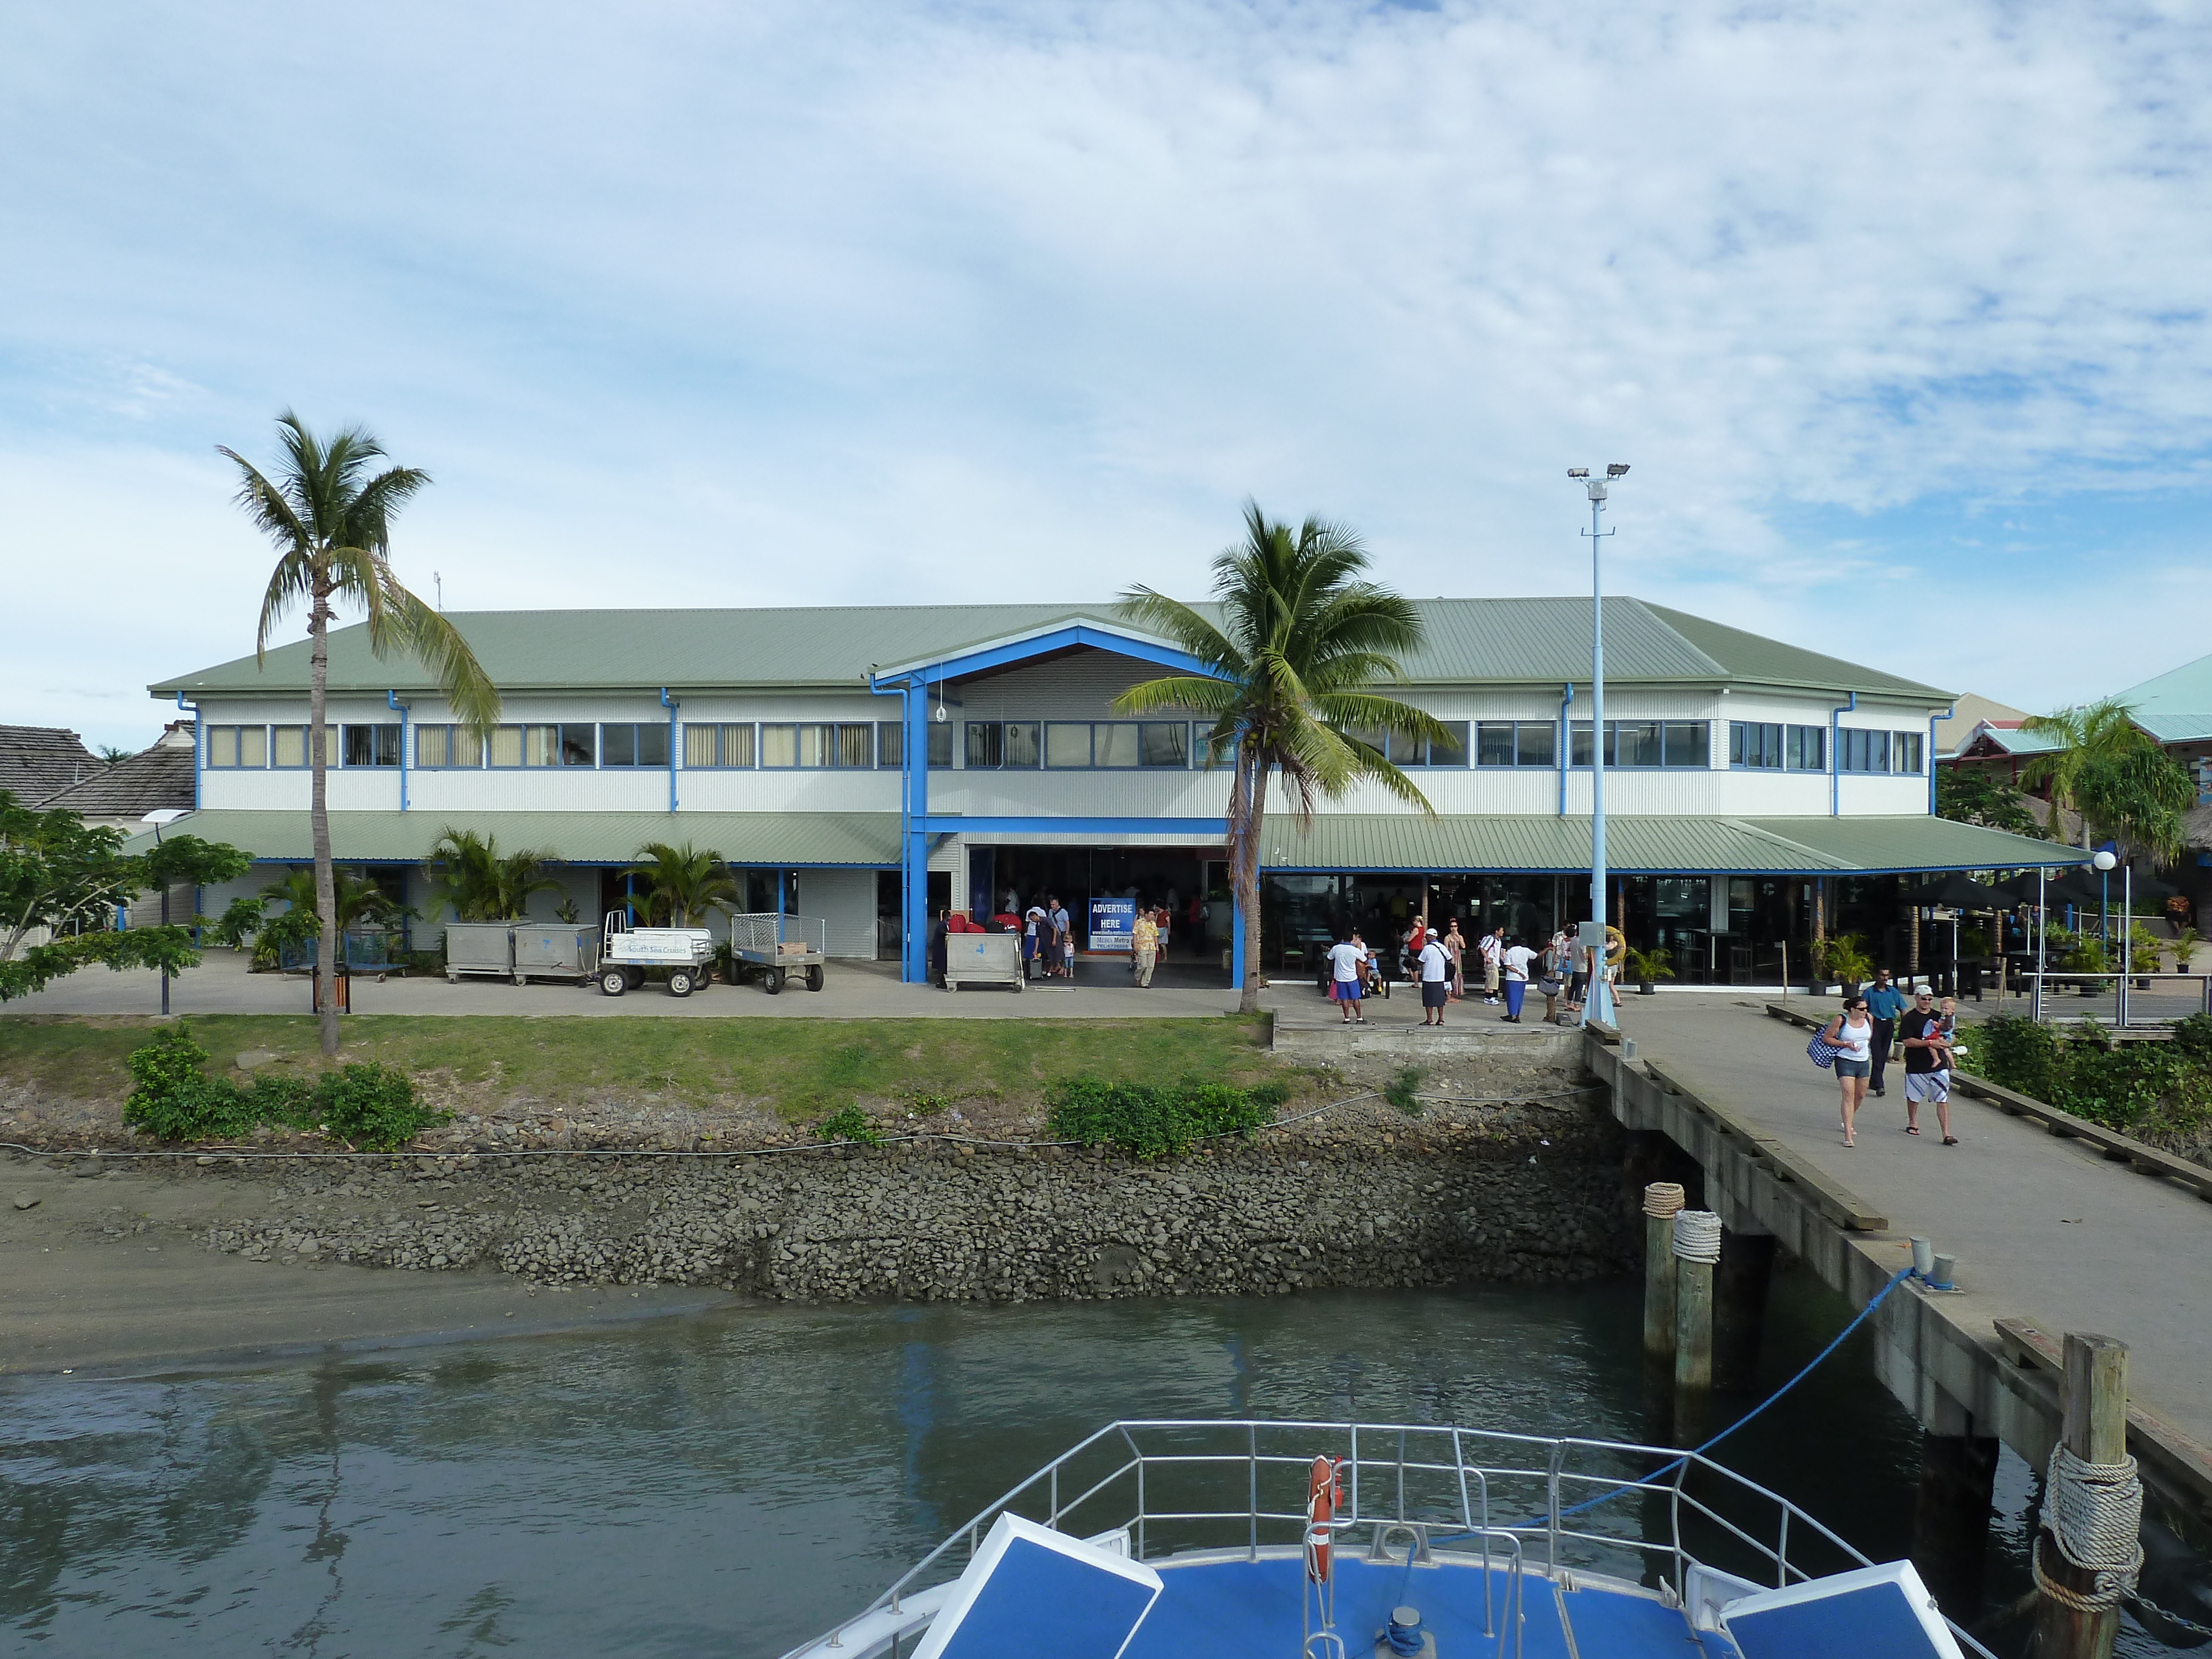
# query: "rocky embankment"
[[1367, 1198]]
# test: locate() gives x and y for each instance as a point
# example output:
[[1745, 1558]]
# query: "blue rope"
[[1658, 1474]]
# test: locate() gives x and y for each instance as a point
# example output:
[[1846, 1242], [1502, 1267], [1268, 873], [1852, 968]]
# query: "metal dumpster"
[[556, 949], [982, 959], [479, 947]]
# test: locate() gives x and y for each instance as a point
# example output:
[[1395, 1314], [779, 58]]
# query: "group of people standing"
[[1438, 963], [1863, 1037]]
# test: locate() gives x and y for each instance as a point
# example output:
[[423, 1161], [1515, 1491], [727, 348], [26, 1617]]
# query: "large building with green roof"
[[869, 765]]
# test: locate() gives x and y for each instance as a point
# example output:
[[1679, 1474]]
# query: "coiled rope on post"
[[2093, 1512], [1698, 1235], [1662, 1199]]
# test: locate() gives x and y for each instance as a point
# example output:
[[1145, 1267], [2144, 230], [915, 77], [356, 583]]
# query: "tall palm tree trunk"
[[318, 818], [1248, 811]]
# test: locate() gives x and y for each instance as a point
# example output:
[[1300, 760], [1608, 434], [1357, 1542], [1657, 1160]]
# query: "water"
[[733, 1483]]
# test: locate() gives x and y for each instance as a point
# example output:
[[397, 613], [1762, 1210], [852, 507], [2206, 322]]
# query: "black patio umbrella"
[[1958, 891]]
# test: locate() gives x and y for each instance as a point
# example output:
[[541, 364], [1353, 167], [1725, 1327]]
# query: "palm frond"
[[430, 637], [1204, 697]]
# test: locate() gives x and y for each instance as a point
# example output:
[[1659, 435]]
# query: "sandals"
[[1950, 1140], [1913, 1128]]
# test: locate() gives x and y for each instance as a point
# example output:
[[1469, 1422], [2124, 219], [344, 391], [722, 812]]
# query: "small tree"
[[683, 884], [60, 876], [468, 871], [1969, 797], [2085, 735]]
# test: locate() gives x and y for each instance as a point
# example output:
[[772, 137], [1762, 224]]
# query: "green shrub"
[[2158, 1091], [1400, 1091], [2018, 1053], [849, 1122], [1150, 1120], [371, 1108], [2193, 1037]]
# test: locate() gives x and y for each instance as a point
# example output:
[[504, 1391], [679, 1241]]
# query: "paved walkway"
[[2043, 1228]]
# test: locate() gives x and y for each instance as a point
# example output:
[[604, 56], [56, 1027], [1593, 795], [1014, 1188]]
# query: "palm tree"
[[2093, 733], [357, 897], [1303, 636], [681, 882], [331, 518], [468, 871]]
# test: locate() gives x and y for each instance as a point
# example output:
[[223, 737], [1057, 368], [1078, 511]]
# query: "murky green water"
[[733, 1485]]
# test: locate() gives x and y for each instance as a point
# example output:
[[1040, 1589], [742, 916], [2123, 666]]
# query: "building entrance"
[[1192, 883]]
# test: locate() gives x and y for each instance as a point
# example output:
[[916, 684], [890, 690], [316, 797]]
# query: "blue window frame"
[[1862, 751], [817, 745], [234, 747], [447, 749], [1755, 745], [288, 747], [1905, 748], [890, 744], [728, 746], [624, 744], [370, 745], [1516, 742], [1649, 745]]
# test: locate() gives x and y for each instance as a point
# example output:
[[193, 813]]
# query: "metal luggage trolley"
[[779, 946], [626, 952]]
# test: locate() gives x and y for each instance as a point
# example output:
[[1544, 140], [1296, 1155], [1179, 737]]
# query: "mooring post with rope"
[[1696, 1249], [2088, 1551], [1661, 1200]]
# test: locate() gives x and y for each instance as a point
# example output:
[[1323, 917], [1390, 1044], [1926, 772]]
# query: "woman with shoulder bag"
[[1851, 1034]]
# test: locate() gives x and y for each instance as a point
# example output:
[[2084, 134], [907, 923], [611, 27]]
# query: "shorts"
[[1435, 992], [1490, 976], [1345, 990], [1931, 1088], [1854, 1067]]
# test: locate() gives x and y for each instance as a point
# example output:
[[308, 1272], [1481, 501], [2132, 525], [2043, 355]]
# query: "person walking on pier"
[[1927, 1066], [1493, 947], [1144, 946], [1851, 1035], [1435, 967], [1886, 1003]]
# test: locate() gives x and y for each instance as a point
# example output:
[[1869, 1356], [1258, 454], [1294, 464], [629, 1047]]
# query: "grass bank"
[[802, 1067]]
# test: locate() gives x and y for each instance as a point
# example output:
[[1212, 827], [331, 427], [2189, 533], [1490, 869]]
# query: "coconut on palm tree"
[[329, 513], [468, 871], [683, 883], [1289, 670]]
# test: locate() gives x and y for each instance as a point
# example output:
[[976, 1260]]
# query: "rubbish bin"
[[344, 991]]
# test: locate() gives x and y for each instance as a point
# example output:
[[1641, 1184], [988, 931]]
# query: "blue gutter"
[[1566, 744], [672, 708], [391, 700], [199, 731], [1932, 718], [1836, 755]]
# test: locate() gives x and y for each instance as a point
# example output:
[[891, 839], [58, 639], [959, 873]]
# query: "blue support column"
[[914, 851], [1237, 945]]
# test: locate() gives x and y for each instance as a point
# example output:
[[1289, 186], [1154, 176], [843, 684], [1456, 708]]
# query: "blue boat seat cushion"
[[1031, 1590], [1883, 1610]]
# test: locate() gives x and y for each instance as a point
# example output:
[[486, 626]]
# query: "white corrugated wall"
[[846, 899]]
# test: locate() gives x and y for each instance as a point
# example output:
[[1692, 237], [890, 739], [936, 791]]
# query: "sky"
[[1896, 310]]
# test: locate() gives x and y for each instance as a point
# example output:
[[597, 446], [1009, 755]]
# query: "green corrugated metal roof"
[[1659, 846], [2175, 706], [1515, 642], [771, 840]]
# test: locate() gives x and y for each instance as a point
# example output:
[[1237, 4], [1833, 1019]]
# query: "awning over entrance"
[[767, 840], [1655, 846]]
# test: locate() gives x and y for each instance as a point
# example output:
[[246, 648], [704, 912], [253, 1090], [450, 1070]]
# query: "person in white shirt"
[[1436, 970], [1347, 962], [1515, 960], [1493, 952]]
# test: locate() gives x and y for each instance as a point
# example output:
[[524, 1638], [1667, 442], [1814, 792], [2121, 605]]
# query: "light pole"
[[2104, 863], [1600, 1006]]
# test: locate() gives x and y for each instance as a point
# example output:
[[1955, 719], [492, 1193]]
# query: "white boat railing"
[[1478, 1497]]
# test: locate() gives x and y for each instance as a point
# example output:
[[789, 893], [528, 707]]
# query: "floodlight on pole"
[[1599, 1005]]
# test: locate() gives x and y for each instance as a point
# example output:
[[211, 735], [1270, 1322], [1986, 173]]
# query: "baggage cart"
[[555, 951], [479, 947], [983, 959], [625, 952], [776, 947]]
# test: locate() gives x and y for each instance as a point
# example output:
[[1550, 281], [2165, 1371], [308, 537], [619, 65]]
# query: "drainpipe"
[[913, 807], [1932, 718], [200, 734], [1566, 743], [391, 700], [1836, 755], [672, 708]]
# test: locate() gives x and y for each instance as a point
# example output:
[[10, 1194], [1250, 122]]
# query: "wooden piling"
[[2094, 1392], [1662, 1199], [1693, 1349]]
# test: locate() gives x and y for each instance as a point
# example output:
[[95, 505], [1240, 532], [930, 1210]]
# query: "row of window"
[[1759, 745], [1050, 744]]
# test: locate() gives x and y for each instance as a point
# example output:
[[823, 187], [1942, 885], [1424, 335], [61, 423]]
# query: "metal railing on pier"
[[2122, 987]]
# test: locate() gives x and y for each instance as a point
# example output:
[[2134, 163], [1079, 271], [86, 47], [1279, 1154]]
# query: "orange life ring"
[[1320, 1510]]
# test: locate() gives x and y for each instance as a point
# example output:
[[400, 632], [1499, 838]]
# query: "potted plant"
[[1847, 963], [2184, 948], [2087, 956], [1646, 966], [2143, 951]]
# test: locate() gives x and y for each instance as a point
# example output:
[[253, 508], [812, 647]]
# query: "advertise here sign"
[[1112, 922]]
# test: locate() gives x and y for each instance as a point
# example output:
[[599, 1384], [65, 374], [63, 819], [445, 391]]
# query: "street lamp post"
[[1600, 1005]]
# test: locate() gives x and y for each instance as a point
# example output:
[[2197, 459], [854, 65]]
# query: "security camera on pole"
[[1599, 1007]]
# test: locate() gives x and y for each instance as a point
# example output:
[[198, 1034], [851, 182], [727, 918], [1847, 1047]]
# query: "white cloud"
[[829, 303]]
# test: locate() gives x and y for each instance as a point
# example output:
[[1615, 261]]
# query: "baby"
[[1946, 1028]]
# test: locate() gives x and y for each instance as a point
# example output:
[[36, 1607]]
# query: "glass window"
[[986, 743], [1114, 744], [940, 744], [738, 743], [1449, 750], [433, 747], [1687, 744], [1535, 743], [288, 745], [618, 745], [371, 745], [652, 744], [1066, 744], [1635, 743], [1904, 751], [1160, 743], [507, 745], [702, 745], [1493, 743], [890, 743], [1863, 751], [579, 745], [1754, 743], [1406, 750], [1579, 736], [814, 746], [1806, 749], [1022, 739], [224, 746], [854, 744], [779, 745]]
